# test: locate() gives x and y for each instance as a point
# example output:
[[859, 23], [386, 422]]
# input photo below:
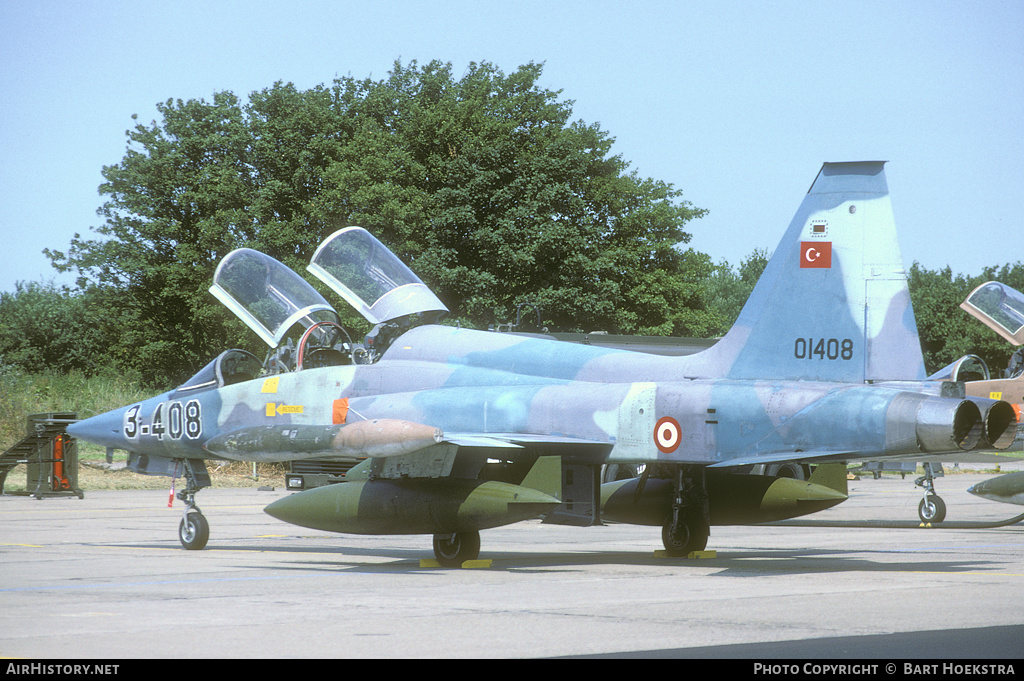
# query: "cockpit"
[[279, 305], [999, 307]]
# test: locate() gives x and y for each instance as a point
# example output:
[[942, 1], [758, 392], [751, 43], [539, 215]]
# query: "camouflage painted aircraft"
[[461, 430]]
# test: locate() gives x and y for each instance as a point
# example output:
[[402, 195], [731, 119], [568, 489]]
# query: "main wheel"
[[194, 531], [789, 469], [452, 550], [932, 509], [689, 534]]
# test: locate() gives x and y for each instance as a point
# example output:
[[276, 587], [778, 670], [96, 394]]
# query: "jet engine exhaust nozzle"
[[999, 422], [945, 425]]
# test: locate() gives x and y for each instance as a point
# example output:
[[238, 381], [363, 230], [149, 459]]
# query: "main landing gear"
[[452, 550], [688, 526], [932, 508], [194, 530]]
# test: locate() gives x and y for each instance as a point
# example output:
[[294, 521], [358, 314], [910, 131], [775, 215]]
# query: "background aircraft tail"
[[833, 302]]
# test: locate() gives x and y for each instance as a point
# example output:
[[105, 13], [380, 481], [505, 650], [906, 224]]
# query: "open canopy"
[[267, 295], [371, 278], [999, 307]]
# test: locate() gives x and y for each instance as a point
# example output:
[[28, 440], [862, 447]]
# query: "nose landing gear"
[[932, 508], [194, 530]]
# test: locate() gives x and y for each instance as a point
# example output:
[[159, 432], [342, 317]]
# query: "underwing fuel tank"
[[733, 498], [1008, 489], [411, 506]]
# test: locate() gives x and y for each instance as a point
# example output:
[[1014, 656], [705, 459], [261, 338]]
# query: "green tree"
[[495, 198], [947, 332], [46, 328], [482, 185], [729, 288], [177, 202]]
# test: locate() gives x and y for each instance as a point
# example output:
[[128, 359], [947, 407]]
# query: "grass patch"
[[24, 394]]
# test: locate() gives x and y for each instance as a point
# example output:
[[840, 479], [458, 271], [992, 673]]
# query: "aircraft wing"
[[959, 457], [489, 441], [518, 440], [815, 456], [825, 456]]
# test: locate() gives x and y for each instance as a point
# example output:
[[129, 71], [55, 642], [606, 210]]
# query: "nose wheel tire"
[[452, 550], [932, 509], [194, 531]]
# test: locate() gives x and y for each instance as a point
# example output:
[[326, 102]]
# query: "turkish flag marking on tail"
[[816, 254]]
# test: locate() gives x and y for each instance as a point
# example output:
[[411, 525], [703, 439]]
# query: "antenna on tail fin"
[[832, 303]]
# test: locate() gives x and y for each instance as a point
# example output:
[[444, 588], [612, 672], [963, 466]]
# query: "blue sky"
[[736, 103]]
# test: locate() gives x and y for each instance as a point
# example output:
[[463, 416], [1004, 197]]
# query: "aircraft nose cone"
[[105, 429]]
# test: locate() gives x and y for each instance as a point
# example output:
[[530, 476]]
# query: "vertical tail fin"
[[833, 303]]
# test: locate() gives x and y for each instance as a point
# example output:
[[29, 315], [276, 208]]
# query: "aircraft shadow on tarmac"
[[743, 563], [983, 643]]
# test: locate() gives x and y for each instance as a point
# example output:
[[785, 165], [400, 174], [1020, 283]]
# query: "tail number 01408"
[[823, 348]]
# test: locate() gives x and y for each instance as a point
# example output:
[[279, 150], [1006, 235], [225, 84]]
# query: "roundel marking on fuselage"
[[667, 434]]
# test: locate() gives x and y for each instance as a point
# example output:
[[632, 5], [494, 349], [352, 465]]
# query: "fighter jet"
[[459, 430]]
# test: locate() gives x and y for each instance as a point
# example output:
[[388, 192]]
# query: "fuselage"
[[640, 407]]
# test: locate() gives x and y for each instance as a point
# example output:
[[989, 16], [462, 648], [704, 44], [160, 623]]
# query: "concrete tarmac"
[[105, 578]]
